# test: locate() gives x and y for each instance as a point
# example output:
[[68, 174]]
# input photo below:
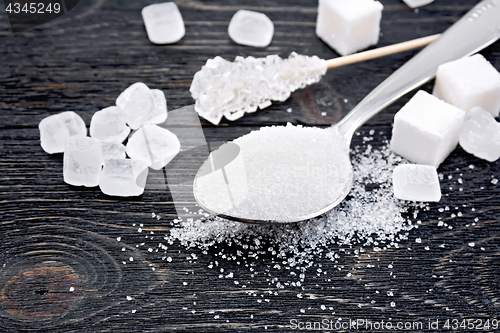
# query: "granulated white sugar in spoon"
[[284, 173]]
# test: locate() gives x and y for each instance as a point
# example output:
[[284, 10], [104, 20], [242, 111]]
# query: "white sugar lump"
[[251, 28], [480, 135], [154, 145], [417, 3], [142, 105], [163, 22], [109, 125], [416, 183], [469, 82], [426, 129], [112, 150], [289, 172], [56, 129], [230, 89], [82, 161], [349, 26], [123, 177]]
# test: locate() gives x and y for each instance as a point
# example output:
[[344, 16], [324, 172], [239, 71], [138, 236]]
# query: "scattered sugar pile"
[[369, 216], [224, 88]]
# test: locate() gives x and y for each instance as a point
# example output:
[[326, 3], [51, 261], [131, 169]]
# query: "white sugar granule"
[[370, 215], [287, 173]]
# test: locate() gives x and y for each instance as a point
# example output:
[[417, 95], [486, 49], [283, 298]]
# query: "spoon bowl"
[[311, 172], [341, 196], [479, 28]]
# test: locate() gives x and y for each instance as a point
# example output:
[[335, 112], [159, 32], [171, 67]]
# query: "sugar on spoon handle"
[[479, 28], [381, 51]]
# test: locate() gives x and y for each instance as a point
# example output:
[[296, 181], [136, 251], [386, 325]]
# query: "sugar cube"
[[56, 129], [163, 22], [142, 105], [82, 161], [480, 135], [123, 177], [349, 26], [154, 145], [426, 129], [469, 82], [416, 183], [251, 28], [109, 125], [112, 150], [417, 3]]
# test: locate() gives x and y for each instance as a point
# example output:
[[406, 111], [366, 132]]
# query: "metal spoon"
[[479, 28]]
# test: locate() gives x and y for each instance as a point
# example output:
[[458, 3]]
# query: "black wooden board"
[[55, 236]]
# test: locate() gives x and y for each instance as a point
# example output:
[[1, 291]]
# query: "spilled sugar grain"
[[369, 216], [270, 263]]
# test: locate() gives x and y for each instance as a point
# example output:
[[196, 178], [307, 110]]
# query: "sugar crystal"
[[159, 113], [56, 129], [417, 3], [251, 28], [154, 145], [82, 161], [123, 177], [231, 89], [163, 22], [480, 135], [142, 105], [109, 125], [416, 183], [112, 150]]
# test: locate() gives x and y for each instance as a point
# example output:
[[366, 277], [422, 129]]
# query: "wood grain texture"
[[56, 237]]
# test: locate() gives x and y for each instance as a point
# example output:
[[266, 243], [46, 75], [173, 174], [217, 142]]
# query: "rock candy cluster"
[[231, 89]]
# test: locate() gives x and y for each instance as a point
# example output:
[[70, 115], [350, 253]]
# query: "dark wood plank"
[[57, 237]]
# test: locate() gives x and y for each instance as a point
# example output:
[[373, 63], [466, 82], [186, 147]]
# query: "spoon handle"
[[479, 28]]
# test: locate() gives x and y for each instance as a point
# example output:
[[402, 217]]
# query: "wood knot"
[[42, 292]]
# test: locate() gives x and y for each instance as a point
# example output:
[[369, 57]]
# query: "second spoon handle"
[[479, 28]]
